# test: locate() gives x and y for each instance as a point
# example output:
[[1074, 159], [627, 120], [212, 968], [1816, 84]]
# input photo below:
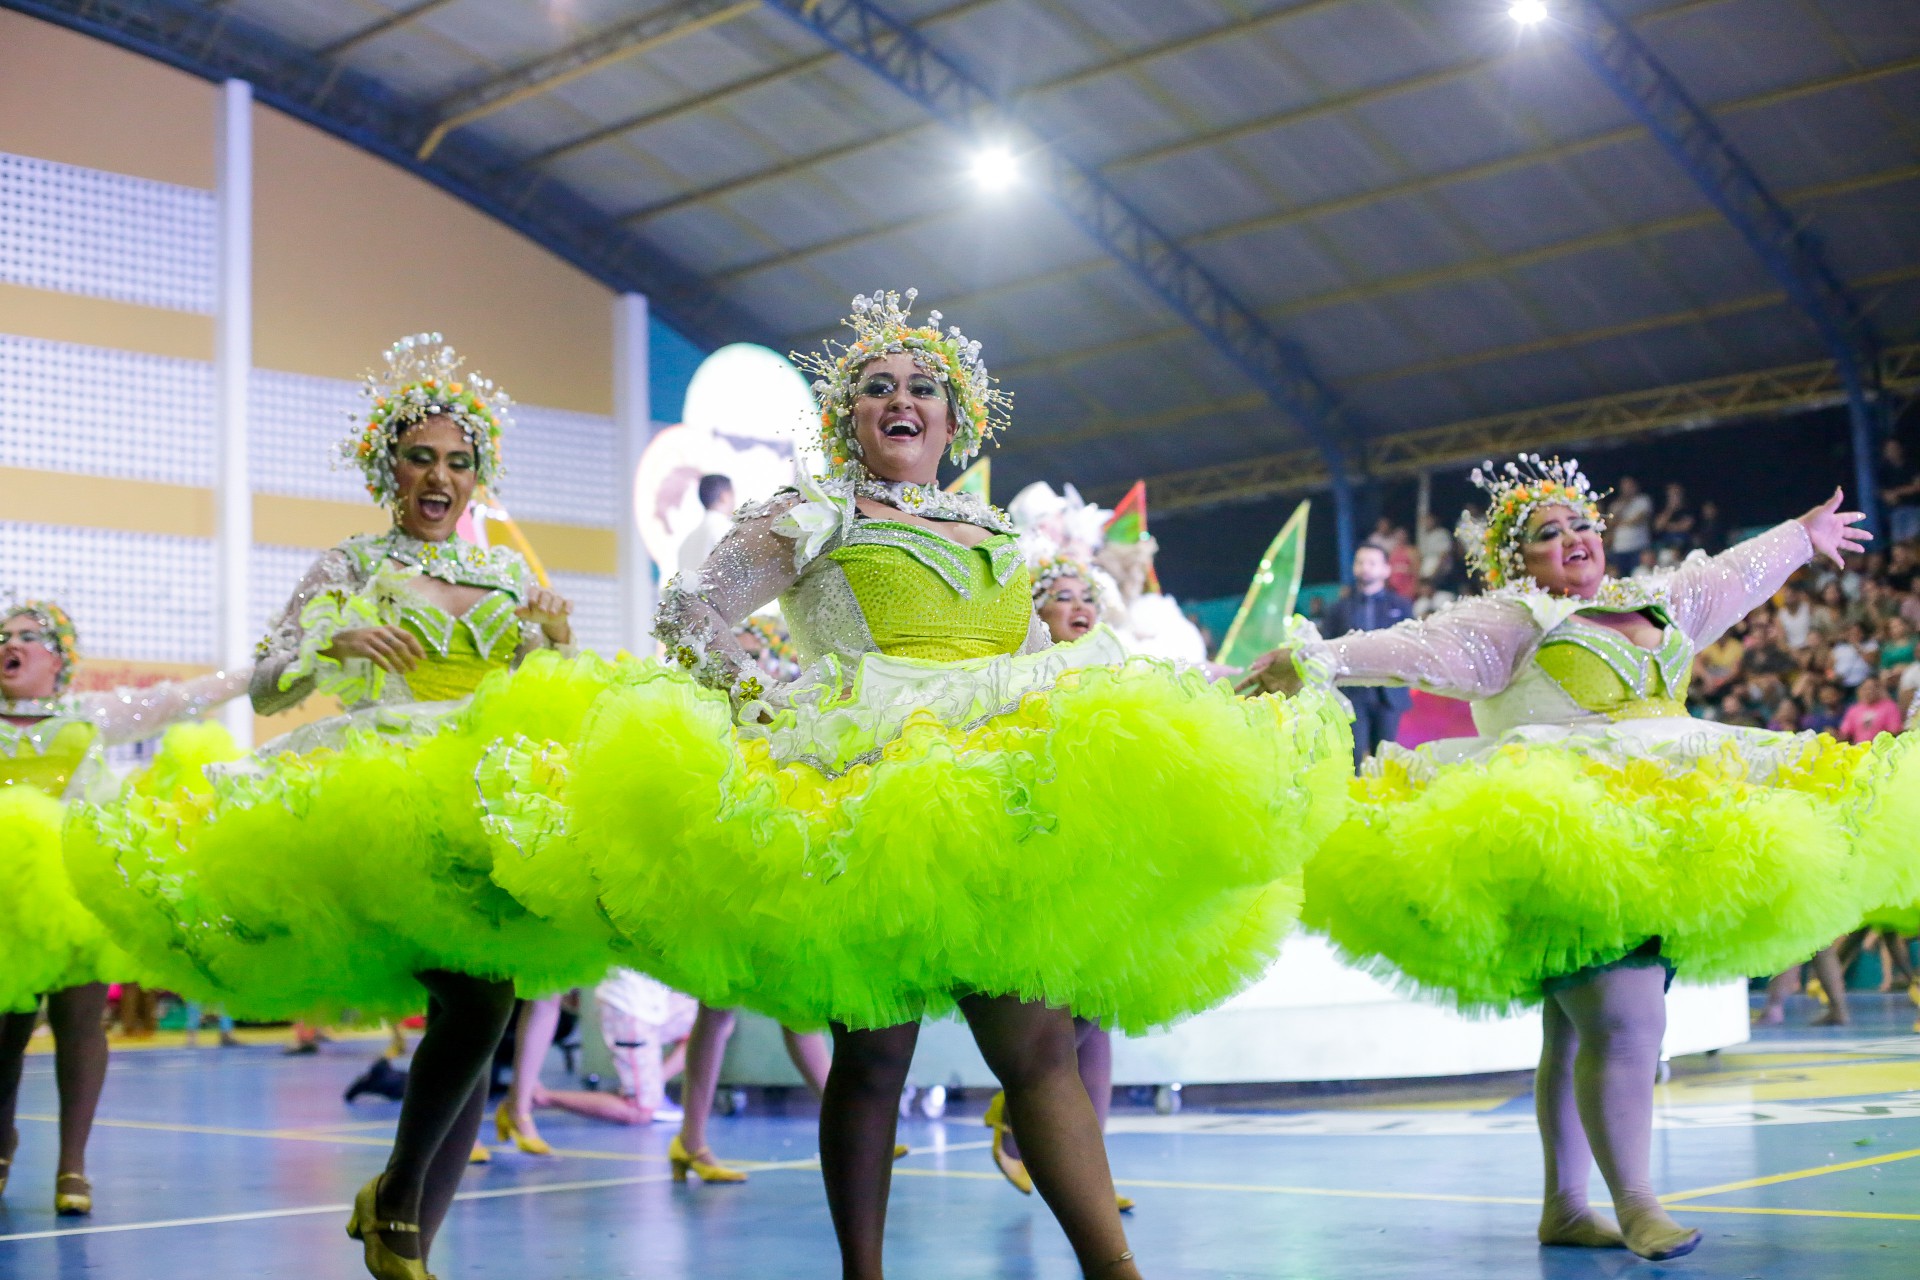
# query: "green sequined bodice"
[[926, 596], [44, 756], [1607, 674]]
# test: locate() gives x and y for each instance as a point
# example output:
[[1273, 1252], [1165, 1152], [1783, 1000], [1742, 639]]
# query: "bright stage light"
[[1528, 12], [995, 168]]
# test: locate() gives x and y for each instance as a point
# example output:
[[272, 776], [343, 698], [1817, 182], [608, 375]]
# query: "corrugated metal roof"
[[1453, 218]]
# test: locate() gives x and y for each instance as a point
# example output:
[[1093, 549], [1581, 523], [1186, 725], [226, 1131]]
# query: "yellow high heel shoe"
[[479, 1154], [699, 1163], [1014, 1169], [76, 1203], [365, 1226], [509, 1130], [1126, 1205]]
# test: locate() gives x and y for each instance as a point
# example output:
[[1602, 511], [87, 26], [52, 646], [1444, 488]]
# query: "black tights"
[[1030, 1048], [446, 1098], [78, 1018]]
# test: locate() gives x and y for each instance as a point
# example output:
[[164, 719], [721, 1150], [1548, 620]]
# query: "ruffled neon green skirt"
[[49, 940], [1124, 841], [306, 883], [1743, 852]]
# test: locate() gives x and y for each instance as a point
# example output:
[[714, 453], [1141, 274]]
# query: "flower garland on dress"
[[881, 327], [421, 379], [60, 639], [1514, 493]]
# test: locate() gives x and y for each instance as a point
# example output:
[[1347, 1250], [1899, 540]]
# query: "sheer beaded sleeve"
[[280, 650], [751, 565], [131, 714], [1707, 596], [1038, 636], [1467, 650]]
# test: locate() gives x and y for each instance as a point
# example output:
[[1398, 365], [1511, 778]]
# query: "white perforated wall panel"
[[273, 574], [297, 421], [66, 407], [132, 595], [562, 467], [596, 609], [105, 235]]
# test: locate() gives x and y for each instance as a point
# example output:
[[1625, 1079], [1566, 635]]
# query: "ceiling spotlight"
[[995, 168], [1528, 12]]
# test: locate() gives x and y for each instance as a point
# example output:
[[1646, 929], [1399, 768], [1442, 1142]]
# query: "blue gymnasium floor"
[[1798, 1155]]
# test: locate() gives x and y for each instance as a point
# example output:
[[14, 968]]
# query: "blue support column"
[[1618, 55], [953, 96]]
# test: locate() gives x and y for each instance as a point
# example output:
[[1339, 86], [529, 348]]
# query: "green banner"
[[1264, 615]]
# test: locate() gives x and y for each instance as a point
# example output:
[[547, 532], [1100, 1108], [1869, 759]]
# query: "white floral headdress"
[[422, 378], [1053, 569], [881, 326], [1514, 493]]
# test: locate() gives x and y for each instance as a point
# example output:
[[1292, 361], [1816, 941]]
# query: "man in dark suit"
[[1369, 606]]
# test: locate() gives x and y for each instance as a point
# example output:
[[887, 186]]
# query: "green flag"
[[1264, 615], [976, 480]]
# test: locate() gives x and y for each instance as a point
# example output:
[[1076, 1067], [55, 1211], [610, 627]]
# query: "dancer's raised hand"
[[1832, 531]]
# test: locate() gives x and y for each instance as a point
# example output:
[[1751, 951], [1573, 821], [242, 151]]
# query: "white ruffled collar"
[[827, 509]]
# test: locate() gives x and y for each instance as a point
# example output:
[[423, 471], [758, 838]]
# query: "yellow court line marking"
[[1805, 1213], [1794, 1176], [306, 1211], [1422, 1196]]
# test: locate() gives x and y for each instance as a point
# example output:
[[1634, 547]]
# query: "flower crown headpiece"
[[54, 620], [881, 327], [421, 378], [1514, 493], [1054, 568]]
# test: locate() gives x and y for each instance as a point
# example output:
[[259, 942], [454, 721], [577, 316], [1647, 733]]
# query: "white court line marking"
[[296, 1135], [310, 1210]]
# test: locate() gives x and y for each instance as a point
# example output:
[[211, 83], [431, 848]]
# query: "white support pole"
[[633, 426], [232, 363]]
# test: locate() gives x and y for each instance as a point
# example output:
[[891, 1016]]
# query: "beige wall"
[[349, 251]]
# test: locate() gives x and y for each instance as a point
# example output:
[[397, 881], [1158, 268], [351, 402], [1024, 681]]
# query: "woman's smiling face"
[[1562, 551], [902, 418], [1068, 608], [434, 472]]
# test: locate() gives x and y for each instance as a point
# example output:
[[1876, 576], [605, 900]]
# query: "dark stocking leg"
[[1620, 1016], [1093, 1048], [1565, 1217], [859, 1113], [450, 1165], [15, 1030], [1030, 1047], [465, 1019], [78, 1018]]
